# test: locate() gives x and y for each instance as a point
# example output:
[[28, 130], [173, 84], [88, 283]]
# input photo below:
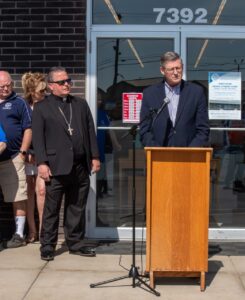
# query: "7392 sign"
[[184, 15]]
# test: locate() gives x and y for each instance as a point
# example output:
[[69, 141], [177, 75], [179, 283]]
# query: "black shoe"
[[238, 186], [84, 251], [47, 255], [16, 241]]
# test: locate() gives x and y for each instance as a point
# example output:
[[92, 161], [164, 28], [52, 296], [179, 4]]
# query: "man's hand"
[[95, 165], [22, 156], [3, 146], [44, 172]]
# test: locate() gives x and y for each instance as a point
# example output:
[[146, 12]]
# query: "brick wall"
[[36, 35]]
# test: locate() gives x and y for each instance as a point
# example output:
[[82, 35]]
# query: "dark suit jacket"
[[191, 127], [51, 141]]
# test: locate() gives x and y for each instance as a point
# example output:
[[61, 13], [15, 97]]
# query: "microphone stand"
[[164, 104], [133, 272]]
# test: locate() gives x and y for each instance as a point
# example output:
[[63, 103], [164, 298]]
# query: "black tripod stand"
[[133, 272]]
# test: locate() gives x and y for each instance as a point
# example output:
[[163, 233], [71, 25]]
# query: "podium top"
[[176, 149]]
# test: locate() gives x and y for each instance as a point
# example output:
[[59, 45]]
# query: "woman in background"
[[34, 86]]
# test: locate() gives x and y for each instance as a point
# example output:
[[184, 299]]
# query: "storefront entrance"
[[125, 59]]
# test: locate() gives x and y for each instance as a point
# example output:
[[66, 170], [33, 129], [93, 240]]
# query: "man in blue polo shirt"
[[15, 118]]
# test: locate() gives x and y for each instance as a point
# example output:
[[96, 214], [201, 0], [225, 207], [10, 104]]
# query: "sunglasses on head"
[[62, 82]]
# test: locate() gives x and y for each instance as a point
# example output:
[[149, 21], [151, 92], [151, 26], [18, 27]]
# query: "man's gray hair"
[[54, 70], [169, 56]]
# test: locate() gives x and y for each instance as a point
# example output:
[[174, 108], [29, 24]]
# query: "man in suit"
[[66, 152], [174, 112]]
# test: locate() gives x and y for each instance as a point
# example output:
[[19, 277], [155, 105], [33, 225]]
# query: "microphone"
[[159, 110], [164, 103]]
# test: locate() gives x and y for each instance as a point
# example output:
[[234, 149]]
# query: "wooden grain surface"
[[177, 209]]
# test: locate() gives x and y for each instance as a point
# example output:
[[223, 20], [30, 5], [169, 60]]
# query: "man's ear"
[[162, 71], [49, 86]]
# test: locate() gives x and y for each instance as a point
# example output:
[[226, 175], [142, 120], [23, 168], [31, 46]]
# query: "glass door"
[[222, 52], [120, 62]]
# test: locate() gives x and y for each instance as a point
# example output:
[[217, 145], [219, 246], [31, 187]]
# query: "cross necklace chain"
[[67, 123]]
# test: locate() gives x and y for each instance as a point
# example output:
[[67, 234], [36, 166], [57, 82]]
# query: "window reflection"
[[118, 72], [228, 162]]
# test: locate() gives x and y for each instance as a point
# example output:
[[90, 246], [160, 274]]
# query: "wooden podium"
[[178, 181]]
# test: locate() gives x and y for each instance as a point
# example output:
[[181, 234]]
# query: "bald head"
[[4, 75], [6, 87]]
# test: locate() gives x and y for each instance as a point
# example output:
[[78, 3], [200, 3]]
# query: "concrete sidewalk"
[[24, 276]]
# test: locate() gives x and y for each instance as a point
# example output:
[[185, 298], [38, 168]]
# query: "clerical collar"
[[62, 99]]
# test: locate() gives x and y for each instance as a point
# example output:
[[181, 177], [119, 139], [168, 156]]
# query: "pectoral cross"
[[70, 130], [68, 123]]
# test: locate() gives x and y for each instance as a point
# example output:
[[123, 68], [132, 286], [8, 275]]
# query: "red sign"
[[131, 107]]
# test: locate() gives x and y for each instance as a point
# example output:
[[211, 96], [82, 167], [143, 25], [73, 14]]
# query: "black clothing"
[[77, 141], [51, 139], [69, 159], [75, 187]]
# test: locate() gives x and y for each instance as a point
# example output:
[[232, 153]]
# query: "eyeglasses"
[[63, 82], [5, 86], [178, 69]]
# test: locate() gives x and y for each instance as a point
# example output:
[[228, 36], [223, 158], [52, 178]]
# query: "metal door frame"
[[180, 34], [122, 233]]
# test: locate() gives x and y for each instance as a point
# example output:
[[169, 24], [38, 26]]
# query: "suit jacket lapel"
[[161, 94], [160, 98], [54, 109]]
